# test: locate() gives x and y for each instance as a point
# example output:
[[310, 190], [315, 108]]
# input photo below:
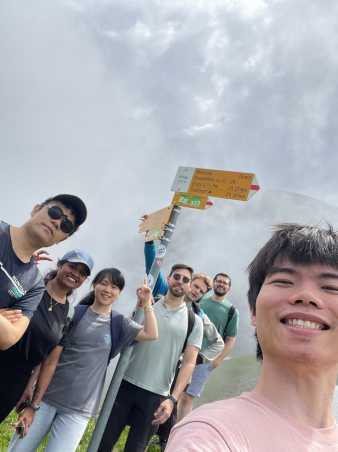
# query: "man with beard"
[[144, 396], [212, 343], [222, 314]]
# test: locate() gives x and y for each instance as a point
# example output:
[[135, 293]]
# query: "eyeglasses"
[[222, 281], [178, 277], [66, 226]]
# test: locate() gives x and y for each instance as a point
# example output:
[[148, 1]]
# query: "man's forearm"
[[10, 333], [228, 346], [183, 379]]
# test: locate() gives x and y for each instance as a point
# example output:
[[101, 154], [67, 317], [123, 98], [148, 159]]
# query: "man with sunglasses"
[[21, 285], [212, 345], [144, 396]]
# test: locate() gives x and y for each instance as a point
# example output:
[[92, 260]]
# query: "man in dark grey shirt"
[[21, 285]]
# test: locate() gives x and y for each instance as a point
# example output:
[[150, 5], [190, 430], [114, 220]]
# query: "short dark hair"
[[74, 204], [181, 267], [115, 277], [301, 244], [225, 276]]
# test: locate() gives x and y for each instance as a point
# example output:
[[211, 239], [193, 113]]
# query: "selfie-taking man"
[[293, 298]]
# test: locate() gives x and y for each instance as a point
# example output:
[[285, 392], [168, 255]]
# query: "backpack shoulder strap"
[[116, 320], [79, 312], [191, 323], [231, 313]]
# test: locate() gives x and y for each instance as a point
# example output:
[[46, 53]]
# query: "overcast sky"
[[105, 99]]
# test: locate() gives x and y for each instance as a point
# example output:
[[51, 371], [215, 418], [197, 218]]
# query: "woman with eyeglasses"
[[64, 401], [20, 362]]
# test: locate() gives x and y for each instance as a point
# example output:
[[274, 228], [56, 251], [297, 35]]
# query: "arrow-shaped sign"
[[217, 183]]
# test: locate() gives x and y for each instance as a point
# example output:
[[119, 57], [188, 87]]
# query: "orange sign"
[[217, 183]]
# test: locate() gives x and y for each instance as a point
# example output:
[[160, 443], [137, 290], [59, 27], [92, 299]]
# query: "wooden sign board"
[[217, 183], [153, 224], [190, 200]]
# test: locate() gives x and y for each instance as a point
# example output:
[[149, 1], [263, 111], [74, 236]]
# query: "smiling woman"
[[71, 378], [44, 331]]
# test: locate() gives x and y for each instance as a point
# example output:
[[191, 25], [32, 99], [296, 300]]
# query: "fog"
[[106, 99]]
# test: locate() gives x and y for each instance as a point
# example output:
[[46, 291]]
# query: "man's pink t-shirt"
[[247, 424]]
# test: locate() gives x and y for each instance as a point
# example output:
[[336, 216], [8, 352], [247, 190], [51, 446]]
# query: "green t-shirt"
[[218, 312]]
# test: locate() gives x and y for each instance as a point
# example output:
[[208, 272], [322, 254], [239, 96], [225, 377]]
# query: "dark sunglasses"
[[178, 277], [66, 226]]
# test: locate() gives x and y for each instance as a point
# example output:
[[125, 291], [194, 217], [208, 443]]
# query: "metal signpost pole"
[[125, 355]]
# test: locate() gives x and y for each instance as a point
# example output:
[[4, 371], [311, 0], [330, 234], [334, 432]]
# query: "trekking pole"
[[126, 353]]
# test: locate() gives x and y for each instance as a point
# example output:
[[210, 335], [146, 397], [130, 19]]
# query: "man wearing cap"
[[44, 332], [21, 285]]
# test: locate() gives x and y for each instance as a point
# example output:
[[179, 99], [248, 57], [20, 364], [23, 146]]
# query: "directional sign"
[[153, 224], [190, 200], [220, 184]]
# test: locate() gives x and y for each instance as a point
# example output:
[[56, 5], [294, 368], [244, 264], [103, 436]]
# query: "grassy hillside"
[[230, 379]]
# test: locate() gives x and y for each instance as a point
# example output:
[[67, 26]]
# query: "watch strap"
[[172, 398]]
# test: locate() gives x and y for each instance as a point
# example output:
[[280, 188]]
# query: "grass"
[[6, 431]]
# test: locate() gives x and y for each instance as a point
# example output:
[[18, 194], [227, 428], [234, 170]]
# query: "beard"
[[176, 291], [220, 291]]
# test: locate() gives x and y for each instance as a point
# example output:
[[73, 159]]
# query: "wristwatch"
[[33, 406], [172, 398]]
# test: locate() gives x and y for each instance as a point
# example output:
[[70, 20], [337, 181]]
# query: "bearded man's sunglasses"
[[178, 277], [55, 213]]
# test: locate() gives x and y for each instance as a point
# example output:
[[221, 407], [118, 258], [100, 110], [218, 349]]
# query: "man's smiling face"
[[297, 313]]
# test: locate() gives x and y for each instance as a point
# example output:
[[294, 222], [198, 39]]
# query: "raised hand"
[[144, 295], [42, 255]]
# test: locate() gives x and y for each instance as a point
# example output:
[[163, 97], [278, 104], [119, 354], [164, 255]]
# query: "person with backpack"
[[64, 401], [212, 343], [223, 314], [44, 331], [144, 396]]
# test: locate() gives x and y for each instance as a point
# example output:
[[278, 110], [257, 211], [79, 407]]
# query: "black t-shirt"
[[21, 284], [43, 334]]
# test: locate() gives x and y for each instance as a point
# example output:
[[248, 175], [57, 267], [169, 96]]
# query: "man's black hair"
[[181, 267]]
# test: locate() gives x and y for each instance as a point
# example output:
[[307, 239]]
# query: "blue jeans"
[[66, 430]]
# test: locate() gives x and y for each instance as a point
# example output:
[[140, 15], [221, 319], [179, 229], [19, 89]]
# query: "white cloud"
[[108, 98]]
